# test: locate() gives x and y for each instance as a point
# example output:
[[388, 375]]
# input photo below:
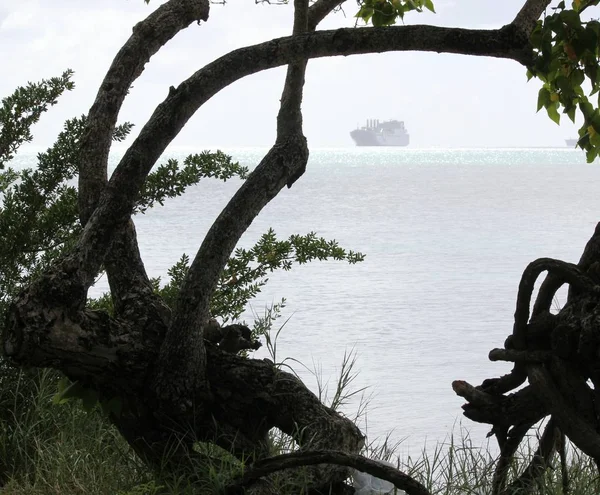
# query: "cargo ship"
[[375, 133], [571, 143]]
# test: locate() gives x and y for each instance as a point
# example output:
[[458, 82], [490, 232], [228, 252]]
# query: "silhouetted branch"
[[296, 459], [147, 39]]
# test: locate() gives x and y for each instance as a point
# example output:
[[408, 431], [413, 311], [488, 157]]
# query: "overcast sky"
[[445, 100]]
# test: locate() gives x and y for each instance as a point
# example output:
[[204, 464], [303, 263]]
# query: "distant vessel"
[[375, 133], [571, 143]]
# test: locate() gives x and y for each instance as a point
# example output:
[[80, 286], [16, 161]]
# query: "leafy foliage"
[[566, 55], [387, 12], [23, 108], [246, 271], [39, 217], [39, 211], [169, 181]]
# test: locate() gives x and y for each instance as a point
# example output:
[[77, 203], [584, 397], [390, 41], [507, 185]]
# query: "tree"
[[174, 388]]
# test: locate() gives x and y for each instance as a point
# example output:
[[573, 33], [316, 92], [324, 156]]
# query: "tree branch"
[[529, 14], [183, 354], [507, 452], [319, 10], [170, 116], [552, 282], [568, 272], [296, 459], [500, 411], [539, 462], [148, 37], [129, 283]]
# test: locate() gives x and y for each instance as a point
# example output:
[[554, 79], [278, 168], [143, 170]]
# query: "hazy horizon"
[[445, 100]]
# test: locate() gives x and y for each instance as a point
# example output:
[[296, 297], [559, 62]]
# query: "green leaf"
[[577, 77], [429, 5], [591, 155], [553, 113], [543, 99], [570, 18], [536, 35], [595, 140]]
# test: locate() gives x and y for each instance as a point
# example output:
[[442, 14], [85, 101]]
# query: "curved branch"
[[319, 10], [284, 163], [125, 268], [170, 116], [550, 286], [296, 459], [148, 37], [568, 272], [552, 283]]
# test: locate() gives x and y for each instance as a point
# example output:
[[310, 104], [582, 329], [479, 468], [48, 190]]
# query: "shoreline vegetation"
[[51, 447]]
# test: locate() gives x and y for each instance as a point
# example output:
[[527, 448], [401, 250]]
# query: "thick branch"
[[300, 16], [514, 356], [308, 458], [539, 462], [507, 452], [127, 276], [148, 37], [184, 344], [500, 411], [529, 14]]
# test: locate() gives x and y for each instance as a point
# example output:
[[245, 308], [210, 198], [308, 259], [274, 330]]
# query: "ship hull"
[[363, 137]]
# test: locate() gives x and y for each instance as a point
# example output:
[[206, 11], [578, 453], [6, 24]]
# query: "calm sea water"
[[447, 234]]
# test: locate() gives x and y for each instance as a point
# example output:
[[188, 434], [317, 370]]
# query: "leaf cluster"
[[23, 108], [169, 180], [567, 60], [39, 212], [39, 216], [387, 12], [246, 272]]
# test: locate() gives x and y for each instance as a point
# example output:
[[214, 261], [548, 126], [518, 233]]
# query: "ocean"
[[446, 233]]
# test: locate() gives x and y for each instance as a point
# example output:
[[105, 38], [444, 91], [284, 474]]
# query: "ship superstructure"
[[386, 133]]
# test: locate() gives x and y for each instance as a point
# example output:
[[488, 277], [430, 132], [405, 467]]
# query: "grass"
[[48, 448]]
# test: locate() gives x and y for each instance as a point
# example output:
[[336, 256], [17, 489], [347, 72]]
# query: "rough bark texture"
[[529, 14]]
